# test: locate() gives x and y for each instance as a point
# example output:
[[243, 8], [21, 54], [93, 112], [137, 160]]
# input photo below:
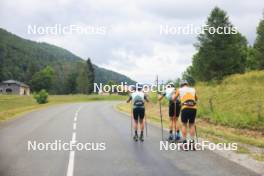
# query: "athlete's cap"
[[183, 82]]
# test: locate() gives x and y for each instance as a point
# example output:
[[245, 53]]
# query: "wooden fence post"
[[259, 111], [211, 104]]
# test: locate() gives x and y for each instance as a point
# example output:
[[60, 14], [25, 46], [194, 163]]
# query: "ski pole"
[[161, 121], [146, 125], [131, 121]]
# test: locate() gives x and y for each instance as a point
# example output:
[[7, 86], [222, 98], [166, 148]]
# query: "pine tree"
[[218, 54], [71, 83], [187, 75], [82, 79], [259, 45], [90, 75]]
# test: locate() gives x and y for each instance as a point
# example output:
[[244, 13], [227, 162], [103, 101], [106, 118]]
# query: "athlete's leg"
[[171, 124], [177, 114], [141, 121], [184, 130], [136, 125], [192, 115], [171, 116], [174, 124], [192, 130], [135, 114], [184, 119], [176, 128]]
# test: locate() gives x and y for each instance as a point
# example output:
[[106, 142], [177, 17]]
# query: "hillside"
[[237, 102], [20, 58]]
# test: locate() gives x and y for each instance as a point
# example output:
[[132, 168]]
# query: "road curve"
[[98, 122]]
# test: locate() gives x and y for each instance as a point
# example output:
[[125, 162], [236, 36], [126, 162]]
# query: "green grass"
[[13, 105], [236, 102]]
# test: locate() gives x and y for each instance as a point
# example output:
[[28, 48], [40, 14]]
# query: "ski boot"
[[135, 138], [170, 138], [177, 137], [141, 138]]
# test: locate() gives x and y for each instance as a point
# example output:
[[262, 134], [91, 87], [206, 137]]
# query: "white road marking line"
[[73, 137], [70, 169], [71, 164], [74, 126]]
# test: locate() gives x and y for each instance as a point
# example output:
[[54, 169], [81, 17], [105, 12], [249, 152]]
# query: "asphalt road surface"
[[97, 122]]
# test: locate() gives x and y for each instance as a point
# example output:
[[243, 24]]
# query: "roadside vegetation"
[[14, 105], [232, 111]]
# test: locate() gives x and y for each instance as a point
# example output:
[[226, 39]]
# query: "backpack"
[[138, 101], [169, 93]]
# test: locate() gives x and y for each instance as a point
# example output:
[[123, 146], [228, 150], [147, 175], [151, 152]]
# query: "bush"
[[41, 97]]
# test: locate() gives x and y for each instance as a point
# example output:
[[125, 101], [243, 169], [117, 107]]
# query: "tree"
[[218, 54], [259, 45], [31, 70], [111, 84], [252, 63], [90, 75], [2, 56], [82, 79], [42, 79], [177, 82], [71, 83], [188, 75]]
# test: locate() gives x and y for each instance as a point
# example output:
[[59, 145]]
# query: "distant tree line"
[[220, 55], [76, 81], [45, 66]]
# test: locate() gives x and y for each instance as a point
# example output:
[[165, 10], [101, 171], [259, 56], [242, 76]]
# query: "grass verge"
[[13, 105]]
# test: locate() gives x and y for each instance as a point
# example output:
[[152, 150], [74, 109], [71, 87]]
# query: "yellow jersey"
[[187, 95]]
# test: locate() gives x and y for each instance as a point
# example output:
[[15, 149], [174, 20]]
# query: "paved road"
[[97, 122]]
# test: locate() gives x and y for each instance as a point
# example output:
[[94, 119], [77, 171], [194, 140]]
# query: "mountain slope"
[[19, 58]]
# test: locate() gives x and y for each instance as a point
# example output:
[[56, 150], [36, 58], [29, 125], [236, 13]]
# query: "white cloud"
[[166, 61], [133, 44]]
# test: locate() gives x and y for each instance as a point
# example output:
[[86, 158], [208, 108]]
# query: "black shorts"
[[138, 113], [188, 115], [174, 110]]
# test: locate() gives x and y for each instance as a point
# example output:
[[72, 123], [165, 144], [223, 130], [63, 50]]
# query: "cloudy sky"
[[126, 36]]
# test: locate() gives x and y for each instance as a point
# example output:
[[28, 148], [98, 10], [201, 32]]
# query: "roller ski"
[[135, 138], [141, 138], [177, 137], [170, 138]]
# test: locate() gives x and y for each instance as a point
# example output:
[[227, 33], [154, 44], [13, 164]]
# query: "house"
[[14, 87]]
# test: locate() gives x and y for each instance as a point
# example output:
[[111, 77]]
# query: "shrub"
[[41, 97]]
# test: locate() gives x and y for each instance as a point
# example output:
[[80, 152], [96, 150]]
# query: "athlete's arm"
[[146, 98], [161, 96], [176, 95], [129, 99]]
